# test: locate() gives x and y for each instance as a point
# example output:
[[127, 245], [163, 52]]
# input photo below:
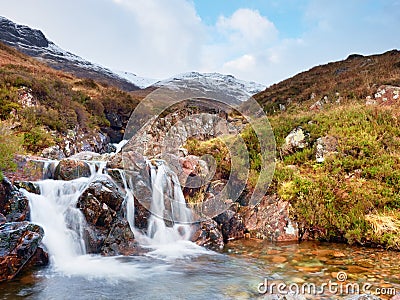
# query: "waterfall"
[[167, 203], [55, 210], [167, 235], [64, 224]]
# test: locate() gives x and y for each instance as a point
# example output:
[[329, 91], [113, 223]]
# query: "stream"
[[233, 274]]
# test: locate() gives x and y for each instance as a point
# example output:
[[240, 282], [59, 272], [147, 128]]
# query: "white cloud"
[[170, 34], [243, 63], [247, 26]]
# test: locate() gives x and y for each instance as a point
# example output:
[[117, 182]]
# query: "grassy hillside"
[[353, 78], [39, 105]]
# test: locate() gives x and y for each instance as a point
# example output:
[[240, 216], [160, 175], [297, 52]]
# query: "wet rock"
[[116, 161], [29, 168], [18, 243], [120, 240], [296, 140], [68, 169], [142, 216], [324, 146], [270, 220], [39, 259], [31, 187], [53, 152], [86, 155], [108, 232], [95, 212], [105, 191], [231, 225], [13, 204], [207, 234], [109, 148], [94, 238]]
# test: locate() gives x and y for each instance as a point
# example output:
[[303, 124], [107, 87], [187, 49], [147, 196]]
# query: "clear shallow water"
[[234, 274]]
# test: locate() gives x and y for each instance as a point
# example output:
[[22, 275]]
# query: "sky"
[[257, 40]]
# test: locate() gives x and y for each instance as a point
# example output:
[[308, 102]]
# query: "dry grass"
[[384, 223]]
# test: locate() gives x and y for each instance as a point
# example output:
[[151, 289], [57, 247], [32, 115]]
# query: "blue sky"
[[260, 40]]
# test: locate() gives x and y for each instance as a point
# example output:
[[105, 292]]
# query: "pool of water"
[[240, 272]]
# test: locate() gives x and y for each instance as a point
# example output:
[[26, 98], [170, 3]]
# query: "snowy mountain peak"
[[141, 82], [34, 43], [221, 80]]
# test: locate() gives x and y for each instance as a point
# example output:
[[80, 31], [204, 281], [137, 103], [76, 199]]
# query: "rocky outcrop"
[[19, 239], [296, 140], [270, 220], [74, 142], [387, 95], [231, 225], [29, 168], [68, 169], [167, 134], [13, 204], [120, 240], [325, 146], [207, 234], [108, 232], [19, 242]]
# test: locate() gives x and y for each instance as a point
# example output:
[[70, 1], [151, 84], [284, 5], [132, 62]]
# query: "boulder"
[[14, 205], [231, 225], [325, 146], [19, 242], [68, 169], [109, 148], [108, 232], [120, 240], [142, 216], [105, 191], [29, 186], [296, 140], [53, 152], [270, 220], [207, 234]]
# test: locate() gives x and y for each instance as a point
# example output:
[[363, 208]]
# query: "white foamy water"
[[64, 226]]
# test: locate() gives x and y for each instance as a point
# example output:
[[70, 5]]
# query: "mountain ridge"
[[35, 44], [355, 77]]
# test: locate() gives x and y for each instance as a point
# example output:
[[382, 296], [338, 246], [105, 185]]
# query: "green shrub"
[[10, 144], [37, 139]]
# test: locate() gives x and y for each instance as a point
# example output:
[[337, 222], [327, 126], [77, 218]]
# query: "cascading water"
[[64, 224], [166, 188], [55, 210]]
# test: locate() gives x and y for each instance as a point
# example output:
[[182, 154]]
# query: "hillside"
[[34, 43], [353, 78], [41, 107]]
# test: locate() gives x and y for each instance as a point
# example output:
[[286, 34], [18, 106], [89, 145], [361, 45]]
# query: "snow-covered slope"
[[217, 80], [33, 43], [141, 82]]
